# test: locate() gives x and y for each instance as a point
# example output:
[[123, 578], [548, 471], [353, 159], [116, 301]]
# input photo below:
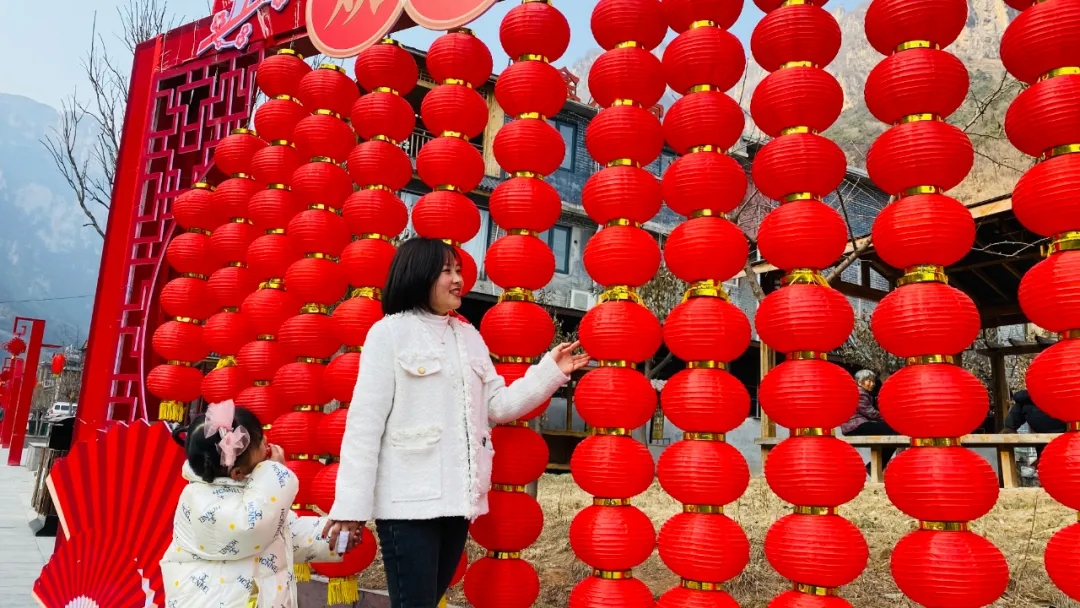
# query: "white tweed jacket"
[[417, 441]]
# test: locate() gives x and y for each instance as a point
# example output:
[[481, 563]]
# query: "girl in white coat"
[[417, 451], [235, 539]]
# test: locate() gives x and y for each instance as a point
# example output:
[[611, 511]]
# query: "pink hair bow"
[[233, 442]]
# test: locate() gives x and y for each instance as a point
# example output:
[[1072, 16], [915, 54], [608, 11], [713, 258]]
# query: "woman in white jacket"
[[235, 539], [417, 451]]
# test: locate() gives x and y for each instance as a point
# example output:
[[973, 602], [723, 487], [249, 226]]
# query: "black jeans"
[[876, 427], [420, 557]]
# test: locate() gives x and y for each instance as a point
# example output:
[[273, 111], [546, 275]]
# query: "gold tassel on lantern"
[[302, 572], [171, 411], [442, 602], [342, 591]]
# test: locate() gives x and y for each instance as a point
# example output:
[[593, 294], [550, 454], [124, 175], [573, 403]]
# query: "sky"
[[52, 43]]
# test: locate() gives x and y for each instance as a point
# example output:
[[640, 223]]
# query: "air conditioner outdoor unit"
[[581, 300]]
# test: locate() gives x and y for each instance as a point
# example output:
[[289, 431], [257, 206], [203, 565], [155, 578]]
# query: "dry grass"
[[1020, 525]]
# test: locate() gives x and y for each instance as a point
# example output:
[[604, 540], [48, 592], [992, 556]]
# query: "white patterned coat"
[[234, 540], [417, 440]]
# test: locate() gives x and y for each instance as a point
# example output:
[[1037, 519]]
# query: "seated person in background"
[[867, 419], [1023, 411]]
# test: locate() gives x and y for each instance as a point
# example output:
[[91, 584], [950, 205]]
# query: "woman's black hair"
[[202, 451], [415, 269]]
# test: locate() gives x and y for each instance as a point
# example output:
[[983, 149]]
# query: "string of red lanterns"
[[226, 331], [612, 536], [517, 329], [702, 545], [1039, 48], [272, 253], [924, 320], [814, 547], [315, 281], [186, 300], [449, 164]]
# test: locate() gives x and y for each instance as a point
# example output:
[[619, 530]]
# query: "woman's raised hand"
[[564, 357]]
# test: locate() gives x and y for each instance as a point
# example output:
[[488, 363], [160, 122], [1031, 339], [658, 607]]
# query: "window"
[[558, 238], [477, 247], [569, 135]]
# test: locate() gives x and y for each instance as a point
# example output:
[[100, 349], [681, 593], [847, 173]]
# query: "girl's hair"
[[415, 269], [202, 451]]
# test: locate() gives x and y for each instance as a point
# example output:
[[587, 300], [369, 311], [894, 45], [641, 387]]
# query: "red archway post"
[[11, 400], [24, 398], [108, 304]]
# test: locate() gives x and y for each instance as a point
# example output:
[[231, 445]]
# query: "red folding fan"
[[92, 570], [126, 483]]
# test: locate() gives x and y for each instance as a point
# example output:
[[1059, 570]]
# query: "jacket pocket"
[[416, 465], [484, 458], [421, 368]]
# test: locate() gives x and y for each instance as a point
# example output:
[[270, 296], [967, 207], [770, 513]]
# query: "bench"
[[1003, 443]]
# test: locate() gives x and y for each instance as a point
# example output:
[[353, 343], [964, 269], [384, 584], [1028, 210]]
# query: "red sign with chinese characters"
[[343, 28]]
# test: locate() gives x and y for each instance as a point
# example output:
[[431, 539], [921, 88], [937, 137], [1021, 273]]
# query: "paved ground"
[[21, 554]]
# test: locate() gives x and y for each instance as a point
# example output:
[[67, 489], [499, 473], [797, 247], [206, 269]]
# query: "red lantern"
[[386, 115], [923, 229], [276, 118], [1039, 40], [522, 455], [529, 145], [513, 522], [173, 340], [280, 74], [175, 383], [354, 317], [1050, 293], [809, 393], [266, 309], [703, 473], [621, 192], [624, 132], [58, 362], [708, 118], [375, 211], [617, 21], [610, 396], [706, 248], [630, 73], [596, 592], [1047, 198], [234, 152], [328, 88], [322, 181], [799, 163], [454, 109], [534, 29], [1054, 379], [187, 297], [890, 23], [818, 471], [226, 333], [1062, 559], [224, 383], [819, 550], [612, 467], [704, 180], [275, 164], [388, 65], [916, 81], [707, 329], [520, 329], [682, 14], [512, 583], [798, 96], [933, 401], [260, 359], [316, 280], [380, 163], [704, 547], [450, 161], [941, 484], [923, 153], [459, 55], [340, 376], [271, 209], [526, 203], [622, 255], [925, 319], [783, 238], [530, 86], [520, 261], [367, 262], [195, 208], [800, 32], [446, 214], [612, 538], [324, 135], [702, 400], [318, 231], [958, 569], [620, 331], [1057, 470], [805, 317]]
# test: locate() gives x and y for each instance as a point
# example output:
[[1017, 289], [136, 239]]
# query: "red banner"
[[343, 28]]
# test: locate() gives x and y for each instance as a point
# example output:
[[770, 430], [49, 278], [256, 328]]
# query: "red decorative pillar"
[[814, 547], [1039, 49], [451, 166], [924, 320], [517, 330], [612, 536], [702, 545]]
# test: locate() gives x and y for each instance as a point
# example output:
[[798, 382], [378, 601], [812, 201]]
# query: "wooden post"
[[768, 427], [1001, 396]]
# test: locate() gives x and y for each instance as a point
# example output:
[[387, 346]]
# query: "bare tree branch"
[[834, 276], [89, 167]]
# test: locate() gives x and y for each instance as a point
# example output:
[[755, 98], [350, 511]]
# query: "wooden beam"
[[860, 292]]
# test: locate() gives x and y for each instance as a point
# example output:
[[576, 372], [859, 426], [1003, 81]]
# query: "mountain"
[[48, 259], [998, 165]]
